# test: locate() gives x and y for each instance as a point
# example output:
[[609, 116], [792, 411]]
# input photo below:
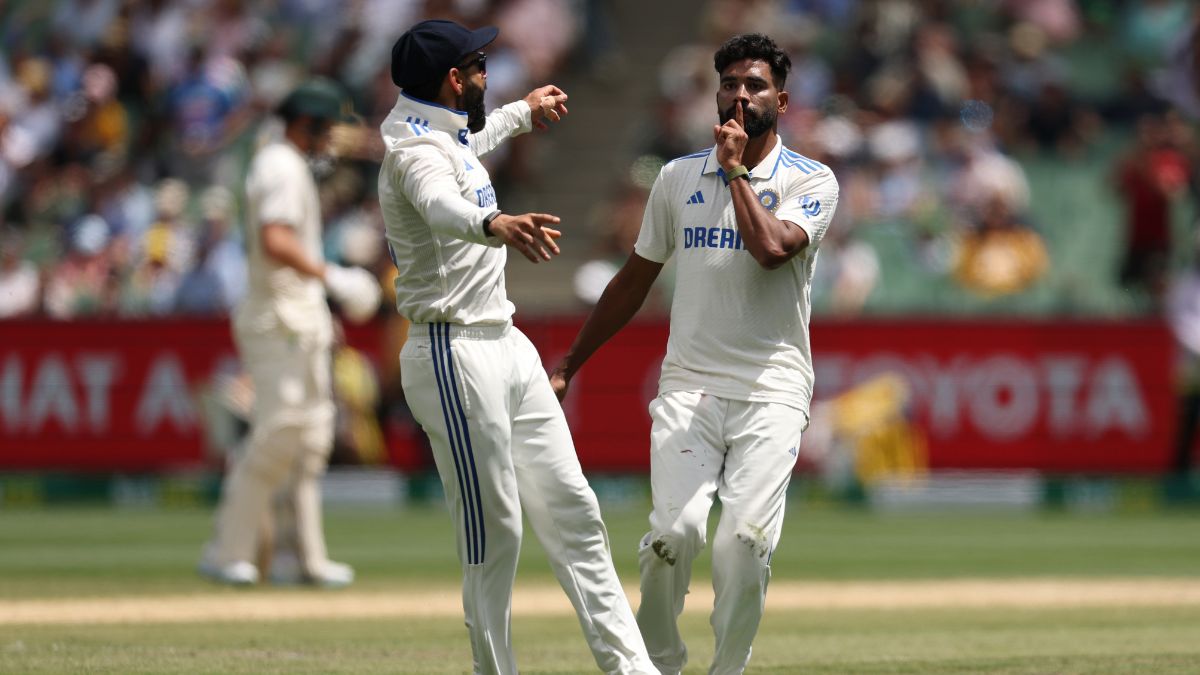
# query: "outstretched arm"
[[542, 104], [622, 298]]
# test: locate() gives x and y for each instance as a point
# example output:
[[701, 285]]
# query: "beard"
[[471, 101], [756, 123]]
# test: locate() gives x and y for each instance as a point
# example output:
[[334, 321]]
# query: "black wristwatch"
[[487, 223]]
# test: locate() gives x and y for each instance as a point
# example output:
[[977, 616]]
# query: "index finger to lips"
[[737, 113]]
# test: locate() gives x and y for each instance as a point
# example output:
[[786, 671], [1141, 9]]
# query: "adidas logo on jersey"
[[697, 198], [419, 126]]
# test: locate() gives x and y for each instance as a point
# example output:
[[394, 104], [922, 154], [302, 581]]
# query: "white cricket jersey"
[[738, 330], [435, 194], [280, 189]]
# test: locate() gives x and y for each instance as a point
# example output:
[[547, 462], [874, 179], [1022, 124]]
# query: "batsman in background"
[[283, 331], [743, 220], [473, 381]]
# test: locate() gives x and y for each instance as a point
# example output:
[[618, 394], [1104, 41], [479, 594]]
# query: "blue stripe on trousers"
[[452, 436], [474, 474]]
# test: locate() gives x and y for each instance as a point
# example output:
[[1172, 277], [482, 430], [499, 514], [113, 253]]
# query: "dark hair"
[[758, 47]]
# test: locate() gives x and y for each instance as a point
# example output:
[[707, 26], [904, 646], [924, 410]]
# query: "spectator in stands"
[[102, 128], [1001, 255], [223, 253], [84, 21], [153, 283], [1148, 178], [37, 114], [80, 285], [207, 111], [14, 153], [848, 273], [20, 285], [170, 236], [216, 280]]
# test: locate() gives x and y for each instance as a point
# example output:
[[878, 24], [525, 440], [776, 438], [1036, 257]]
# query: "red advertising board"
[[107, 395], [1060, 396], [1057, 396]]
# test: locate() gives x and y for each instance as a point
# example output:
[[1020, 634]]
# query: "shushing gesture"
[[731, 139]]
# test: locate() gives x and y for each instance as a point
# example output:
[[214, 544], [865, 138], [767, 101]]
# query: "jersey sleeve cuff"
[[652, 256]]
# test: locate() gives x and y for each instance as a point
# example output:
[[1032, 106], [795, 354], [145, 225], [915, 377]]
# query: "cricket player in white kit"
[[743, 221], [472, 380], [283, 330]]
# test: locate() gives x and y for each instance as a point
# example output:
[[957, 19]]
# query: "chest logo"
[[697, 198], [769, 200]]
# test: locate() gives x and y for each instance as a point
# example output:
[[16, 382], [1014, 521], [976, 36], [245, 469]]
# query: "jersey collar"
[[765, 169], [432, 116]]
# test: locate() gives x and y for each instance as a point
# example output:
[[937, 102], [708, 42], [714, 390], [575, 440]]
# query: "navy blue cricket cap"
[[431, 48]]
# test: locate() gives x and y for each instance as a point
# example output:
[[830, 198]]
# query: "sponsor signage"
[[1054, 396]]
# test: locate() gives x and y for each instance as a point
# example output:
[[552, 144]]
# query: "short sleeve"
[[280, 191], [656, 241], [809, 201]]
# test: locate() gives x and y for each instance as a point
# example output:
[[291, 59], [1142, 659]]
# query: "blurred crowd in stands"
[[125, 127], [929, 113]]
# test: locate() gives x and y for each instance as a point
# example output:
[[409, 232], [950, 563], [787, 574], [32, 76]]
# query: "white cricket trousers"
[[290, 440], [744, 453], [502, 446]]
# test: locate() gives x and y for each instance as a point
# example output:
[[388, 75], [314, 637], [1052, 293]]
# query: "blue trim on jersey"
[[453, 435], [435, 105], [797, 159], [470, 452]]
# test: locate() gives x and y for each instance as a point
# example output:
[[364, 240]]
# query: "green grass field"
[[54, 557]]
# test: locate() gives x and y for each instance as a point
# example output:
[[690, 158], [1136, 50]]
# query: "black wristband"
[[487, 223]]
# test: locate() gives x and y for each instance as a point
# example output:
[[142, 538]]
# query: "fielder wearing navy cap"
[[427, 50]]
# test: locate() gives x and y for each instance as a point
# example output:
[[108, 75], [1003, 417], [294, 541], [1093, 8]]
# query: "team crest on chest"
[[769, 199]]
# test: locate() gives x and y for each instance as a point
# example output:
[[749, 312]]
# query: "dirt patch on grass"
[[224, 605]]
